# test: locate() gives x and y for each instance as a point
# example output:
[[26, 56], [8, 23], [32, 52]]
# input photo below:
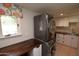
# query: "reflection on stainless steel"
[[41, 26]]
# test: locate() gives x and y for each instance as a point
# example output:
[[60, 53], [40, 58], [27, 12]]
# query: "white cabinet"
[[74, 41], [67, 39], [59, 38]]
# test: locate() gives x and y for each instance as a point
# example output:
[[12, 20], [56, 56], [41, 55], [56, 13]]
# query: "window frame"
[[11, 35]]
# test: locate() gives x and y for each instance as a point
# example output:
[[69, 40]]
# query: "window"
[[9, 25]]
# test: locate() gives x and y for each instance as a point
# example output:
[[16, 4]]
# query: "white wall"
[[65, 21], [27, 29]]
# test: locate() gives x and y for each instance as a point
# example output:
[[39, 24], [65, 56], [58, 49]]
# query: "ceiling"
[[54, 9]]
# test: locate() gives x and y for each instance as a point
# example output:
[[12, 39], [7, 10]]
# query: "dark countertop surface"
[[19, 48], [67, 33]]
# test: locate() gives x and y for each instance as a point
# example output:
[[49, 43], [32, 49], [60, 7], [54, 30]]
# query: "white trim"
[[15, 35]]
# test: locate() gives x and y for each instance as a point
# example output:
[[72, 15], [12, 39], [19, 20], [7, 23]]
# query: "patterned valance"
[[11, 10]]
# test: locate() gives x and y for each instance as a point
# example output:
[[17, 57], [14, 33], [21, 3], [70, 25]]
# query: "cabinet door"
[[67, 40], [74, 40], [59, 38]]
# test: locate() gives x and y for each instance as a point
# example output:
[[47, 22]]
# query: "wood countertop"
[[19, 48]]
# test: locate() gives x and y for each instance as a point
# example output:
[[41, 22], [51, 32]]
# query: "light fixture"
[[61, 14]]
